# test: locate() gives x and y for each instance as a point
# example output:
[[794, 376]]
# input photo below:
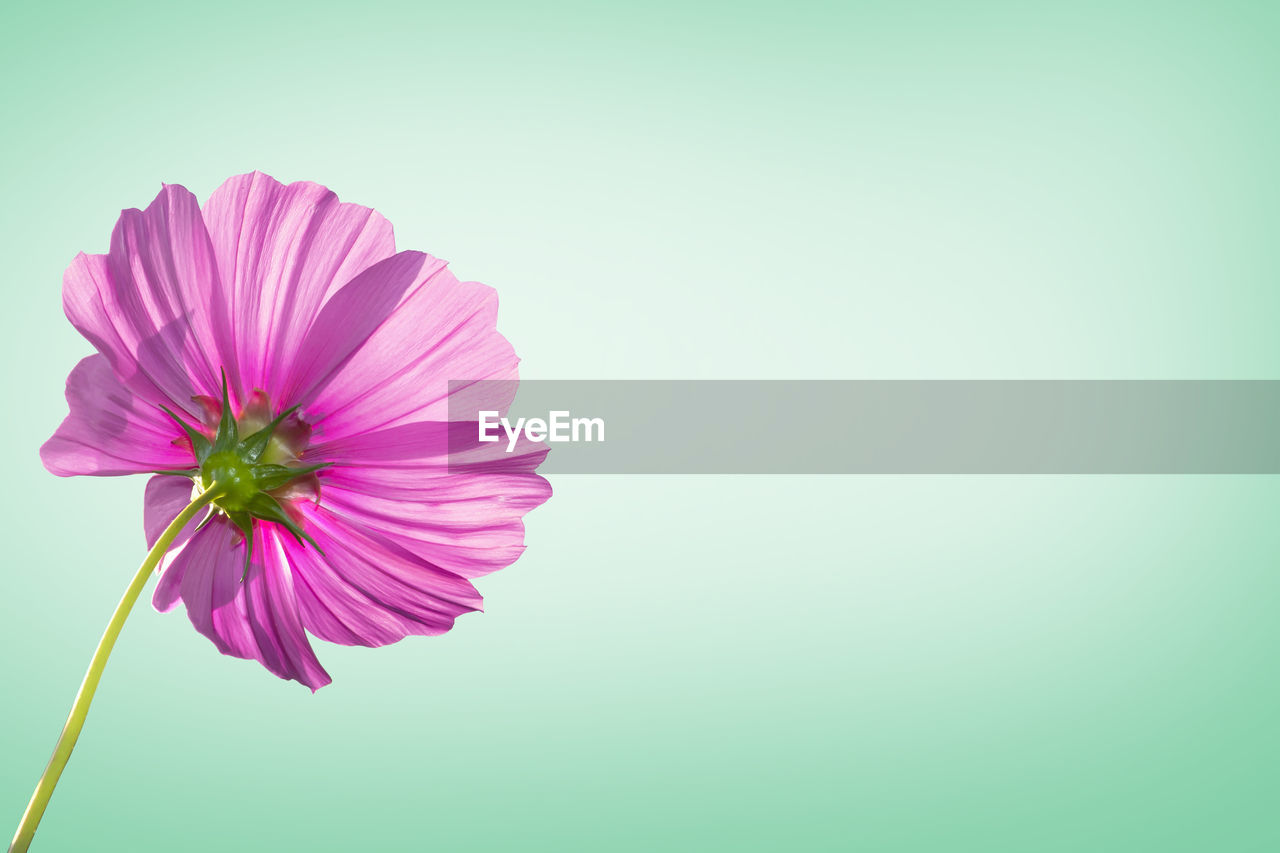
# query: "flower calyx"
[[249, 484]]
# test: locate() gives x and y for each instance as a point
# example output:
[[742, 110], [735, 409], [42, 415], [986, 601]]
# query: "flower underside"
[[256, 474]]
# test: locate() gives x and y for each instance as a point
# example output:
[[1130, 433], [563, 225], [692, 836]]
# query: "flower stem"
[[80, 708]]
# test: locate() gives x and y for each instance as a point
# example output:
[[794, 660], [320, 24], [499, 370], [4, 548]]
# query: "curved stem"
[[80, 708]]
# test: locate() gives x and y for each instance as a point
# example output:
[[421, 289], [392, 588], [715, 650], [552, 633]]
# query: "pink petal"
[[350, 316], [470, 530], [283, 250], [439, 445], [164, 499], [255, 620], [365, 590], [438, 492], [168, 590], [110, 431], [154, 304], [443, 330]]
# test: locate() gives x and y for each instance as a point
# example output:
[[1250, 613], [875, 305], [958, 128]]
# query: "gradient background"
[[898, 190]]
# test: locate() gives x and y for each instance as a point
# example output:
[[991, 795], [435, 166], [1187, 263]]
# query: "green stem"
[[80, 708]]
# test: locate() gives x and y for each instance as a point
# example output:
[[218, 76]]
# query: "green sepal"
[[208, 518], [230, 458], [228, 435], [271, 477], [252, 448], [200, 444], [268, 509], [244, 521]]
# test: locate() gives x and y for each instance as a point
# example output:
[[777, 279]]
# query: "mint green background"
[[738, 191]]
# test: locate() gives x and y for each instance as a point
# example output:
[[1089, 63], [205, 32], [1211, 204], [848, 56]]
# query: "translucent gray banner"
[[873, 427]]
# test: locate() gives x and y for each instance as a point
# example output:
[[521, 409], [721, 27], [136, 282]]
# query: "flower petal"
[[283, 250], [443, 330], [350, 316], [110, 431], [467, 535], [438, 492], [154, 304], [440, 445], [165, 498], [365, 590], [168, 590], [255, 620]]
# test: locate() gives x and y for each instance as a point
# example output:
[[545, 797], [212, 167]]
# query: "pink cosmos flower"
[[355, 512]]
